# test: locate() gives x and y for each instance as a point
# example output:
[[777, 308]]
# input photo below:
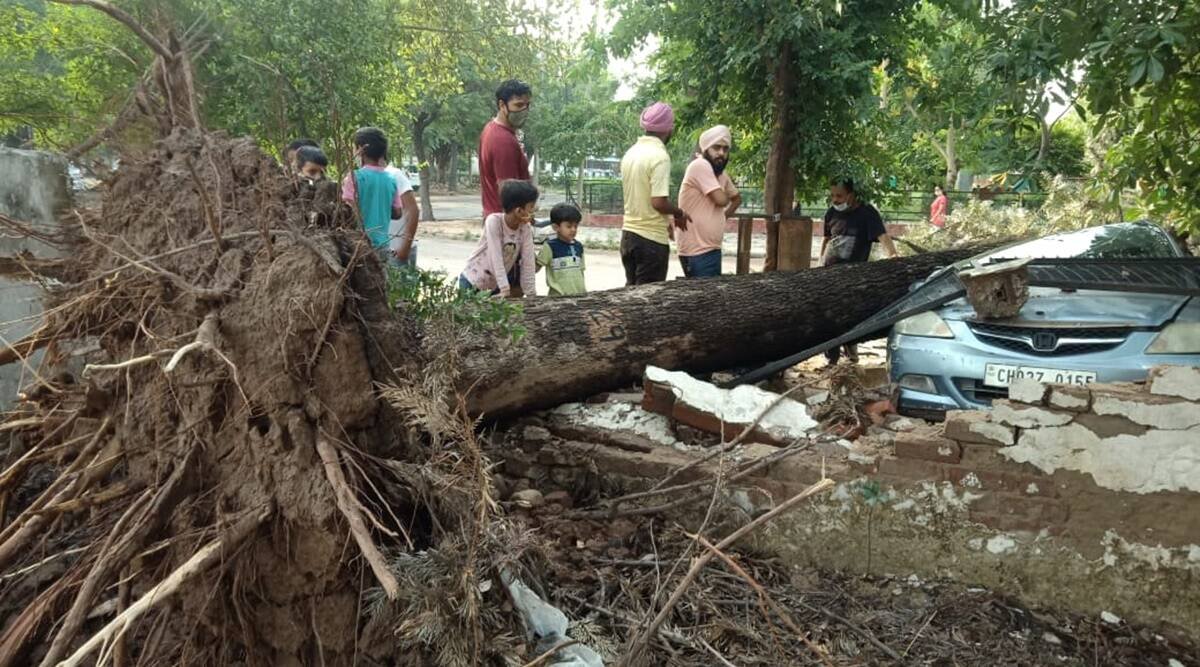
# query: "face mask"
[[841, 207], [517, 118]]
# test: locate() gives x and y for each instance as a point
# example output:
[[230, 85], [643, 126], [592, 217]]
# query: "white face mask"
[[841, 207]]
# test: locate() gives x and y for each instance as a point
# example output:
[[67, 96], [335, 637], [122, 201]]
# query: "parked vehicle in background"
[[947, 359]]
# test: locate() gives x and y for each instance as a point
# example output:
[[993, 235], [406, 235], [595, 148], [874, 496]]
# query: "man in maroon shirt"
[[500, 154]]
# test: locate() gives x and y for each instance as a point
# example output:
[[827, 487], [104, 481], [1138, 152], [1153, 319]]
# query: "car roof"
[[1091, 241]]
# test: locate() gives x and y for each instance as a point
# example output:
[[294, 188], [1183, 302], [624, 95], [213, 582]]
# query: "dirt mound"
[[226, 434]]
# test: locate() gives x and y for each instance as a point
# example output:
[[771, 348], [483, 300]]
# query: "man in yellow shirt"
[[646, 182]]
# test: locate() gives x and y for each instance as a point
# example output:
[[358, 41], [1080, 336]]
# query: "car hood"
[[1051, 306]]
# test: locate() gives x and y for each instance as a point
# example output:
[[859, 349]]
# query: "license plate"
[[1002, 375]]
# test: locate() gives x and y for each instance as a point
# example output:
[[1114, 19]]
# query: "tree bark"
[[578, 347], [453, 175], [779, 188], [421, 121]]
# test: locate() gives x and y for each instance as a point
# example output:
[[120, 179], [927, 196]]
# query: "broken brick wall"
[[1085, 497]]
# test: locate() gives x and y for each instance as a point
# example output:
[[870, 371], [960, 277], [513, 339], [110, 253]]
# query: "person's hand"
[[682, 219], [401, 254], [505, 292], [670, 232]]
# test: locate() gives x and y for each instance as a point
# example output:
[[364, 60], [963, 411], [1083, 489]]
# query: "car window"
[[1120, 241]]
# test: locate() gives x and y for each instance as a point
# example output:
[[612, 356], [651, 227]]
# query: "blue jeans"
[[386, 256], [706, 265]]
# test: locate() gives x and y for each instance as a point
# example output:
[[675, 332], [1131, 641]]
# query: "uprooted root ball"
[[203, 491]]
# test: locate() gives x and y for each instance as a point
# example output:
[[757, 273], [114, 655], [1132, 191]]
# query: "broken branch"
[[639, 643], [197, 564], [358, 528]]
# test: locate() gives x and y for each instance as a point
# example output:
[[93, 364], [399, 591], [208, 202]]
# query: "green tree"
[[63, 72], [941, 82], [1133, 69], [794, 77], [576, 116]]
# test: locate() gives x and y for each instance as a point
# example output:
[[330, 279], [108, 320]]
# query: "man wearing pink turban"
[[646, 183], [709, 197]]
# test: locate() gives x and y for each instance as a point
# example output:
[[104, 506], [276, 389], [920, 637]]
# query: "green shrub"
[[429, 297]]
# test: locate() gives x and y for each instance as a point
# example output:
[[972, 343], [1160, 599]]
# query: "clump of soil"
[[240, 321]]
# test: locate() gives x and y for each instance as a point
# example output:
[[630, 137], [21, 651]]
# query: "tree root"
[[121, 545], [69, 485], [358, 528], [203, 559]]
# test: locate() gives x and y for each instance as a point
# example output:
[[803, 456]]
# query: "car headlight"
[[928, 324], [1177, 338]]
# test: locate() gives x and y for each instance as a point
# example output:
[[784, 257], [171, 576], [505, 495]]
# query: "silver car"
[[946, 359]]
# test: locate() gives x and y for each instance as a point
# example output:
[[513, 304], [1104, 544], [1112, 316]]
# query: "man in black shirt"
[[851, 229]]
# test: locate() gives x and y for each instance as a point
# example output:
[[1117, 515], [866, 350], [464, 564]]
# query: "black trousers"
[[645, 261]]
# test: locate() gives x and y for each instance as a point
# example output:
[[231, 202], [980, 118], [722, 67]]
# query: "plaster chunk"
[[999, 433], [1027, 390], [1028, 417], [1148, 410], [1070, 398], [1001, 544], [1179, 381], [786, 421], [1153, 461]]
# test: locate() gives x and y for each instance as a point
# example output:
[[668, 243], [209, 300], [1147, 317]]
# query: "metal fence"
[[604, 196]]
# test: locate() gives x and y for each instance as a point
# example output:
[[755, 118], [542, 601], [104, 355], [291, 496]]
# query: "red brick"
[[912, 470], [917, 445], [658, 398], [997, 480], [976, 427], [1044, 511]]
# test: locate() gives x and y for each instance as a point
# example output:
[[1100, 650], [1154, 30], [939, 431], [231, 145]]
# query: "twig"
[[209, 217], [715, 653], [728, 446], [764, 600], [122, 16], [197, 564], [639, 644], [358, 528], [543, 658], [859, 630], [754, 467], [47, 559]]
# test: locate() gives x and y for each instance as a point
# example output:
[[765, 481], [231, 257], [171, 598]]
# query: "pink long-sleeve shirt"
[[499, 249]]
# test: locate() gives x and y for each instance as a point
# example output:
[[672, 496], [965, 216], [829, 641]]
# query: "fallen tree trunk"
[[576, 348]]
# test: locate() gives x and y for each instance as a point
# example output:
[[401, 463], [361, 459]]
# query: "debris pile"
[[201, 492]]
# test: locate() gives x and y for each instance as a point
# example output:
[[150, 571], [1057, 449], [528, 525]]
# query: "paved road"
[[604, 270], [468, 206]]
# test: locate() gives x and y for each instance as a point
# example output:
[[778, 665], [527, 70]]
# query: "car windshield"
[[1130, 240]]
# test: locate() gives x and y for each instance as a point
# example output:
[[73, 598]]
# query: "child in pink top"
[[504, 261], [937, 212]]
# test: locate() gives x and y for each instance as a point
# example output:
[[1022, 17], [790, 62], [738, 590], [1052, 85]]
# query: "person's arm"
[[408, 211], [495, 251], [348, 193], [734, 202], [660, 188], [825, 236], [735, 196], [544, 256], [879, 233], [528, 263], [701, 176], [889, 246]]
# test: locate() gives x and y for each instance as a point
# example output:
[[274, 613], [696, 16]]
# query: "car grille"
[[978, 392], [1049, 341]]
